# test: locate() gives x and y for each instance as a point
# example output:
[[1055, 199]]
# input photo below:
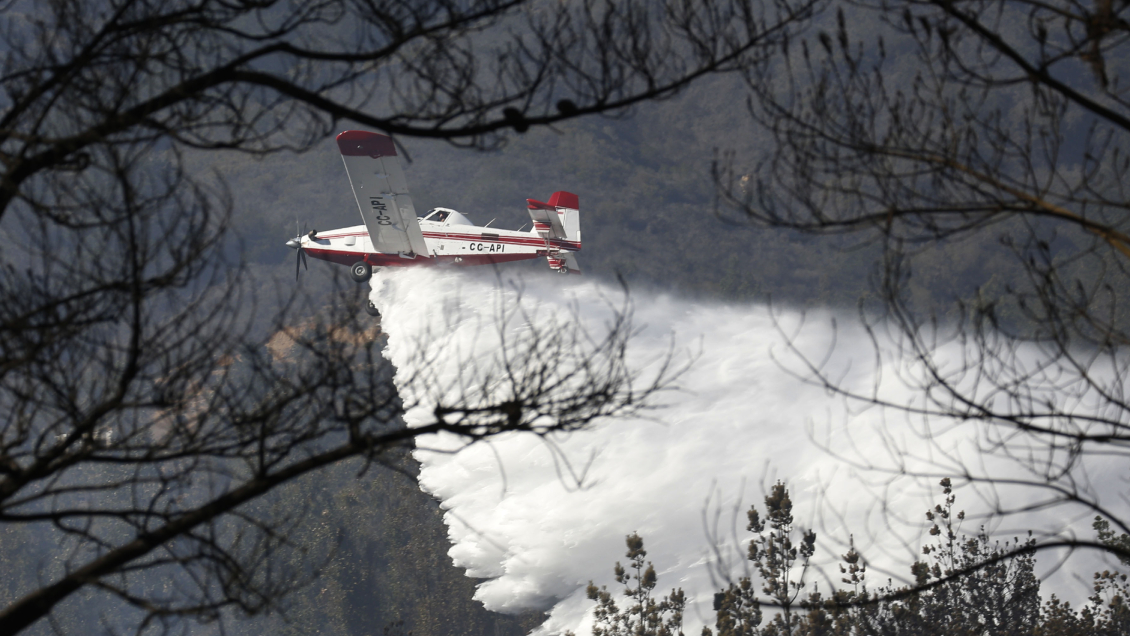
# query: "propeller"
[[296, 243]]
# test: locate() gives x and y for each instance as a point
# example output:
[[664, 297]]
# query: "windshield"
[[438, 215]]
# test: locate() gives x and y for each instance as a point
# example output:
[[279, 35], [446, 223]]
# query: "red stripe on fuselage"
[[531, 241], [343, 257]]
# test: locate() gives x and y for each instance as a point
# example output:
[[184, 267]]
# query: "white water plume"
[[738, 422]]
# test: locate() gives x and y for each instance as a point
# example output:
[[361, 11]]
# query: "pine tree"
[[737, 610], [963, 586], [975, 591], [776, 558], [644, 616]]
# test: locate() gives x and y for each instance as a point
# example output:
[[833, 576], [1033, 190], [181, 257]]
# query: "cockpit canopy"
[[446, 216]]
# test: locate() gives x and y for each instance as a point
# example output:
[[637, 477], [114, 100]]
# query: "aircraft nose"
[[293, 243]]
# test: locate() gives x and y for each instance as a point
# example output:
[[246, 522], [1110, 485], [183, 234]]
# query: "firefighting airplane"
[[393, 236]]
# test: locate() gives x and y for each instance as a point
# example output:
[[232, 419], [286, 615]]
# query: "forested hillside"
[[376, 542], [386, 566]]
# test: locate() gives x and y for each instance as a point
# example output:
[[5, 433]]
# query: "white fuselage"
[[452, 240]]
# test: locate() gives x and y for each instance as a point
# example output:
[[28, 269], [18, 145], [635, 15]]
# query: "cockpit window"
[[437, 215]]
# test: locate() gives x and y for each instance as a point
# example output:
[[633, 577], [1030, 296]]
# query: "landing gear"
[[372, 310], [564, 269], [361, 271]]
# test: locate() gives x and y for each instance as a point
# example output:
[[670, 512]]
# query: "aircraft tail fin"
[[569, 207], [559, 223], [559, 219]]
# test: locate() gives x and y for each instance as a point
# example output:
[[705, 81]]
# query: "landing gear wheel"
[[361, 272], [372, 310], [564, 269]]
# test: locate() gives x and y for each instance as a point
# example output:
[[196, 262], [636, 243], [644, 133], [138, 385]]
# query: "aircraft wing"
[[381, 193]]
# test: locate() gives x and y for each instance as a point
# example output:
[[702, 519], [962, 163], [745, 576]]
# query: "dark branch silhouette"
[[988, 140], [148, 412]]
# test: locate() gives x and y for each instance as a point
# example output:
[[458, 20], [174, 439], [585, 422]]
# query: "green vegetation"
[[644, 614], [964, 585]]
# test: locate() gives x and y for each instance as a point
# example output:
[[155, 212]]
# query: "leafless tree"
[[986, 140], [144, 410]]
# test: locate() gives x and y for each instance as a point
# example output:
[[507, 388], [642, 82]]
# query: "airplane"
[[393, 236]]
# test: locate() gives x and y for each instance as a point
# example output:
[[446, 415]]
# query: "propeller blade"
[[300, 258]]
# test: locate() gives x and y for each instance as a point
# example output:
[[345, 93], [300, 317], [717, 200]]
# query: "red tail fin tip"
[[564, 199]]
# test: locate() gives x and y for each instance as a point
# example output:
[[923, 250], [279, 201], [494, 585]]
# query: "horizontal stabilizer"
[[566, 261], [546, 219]]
